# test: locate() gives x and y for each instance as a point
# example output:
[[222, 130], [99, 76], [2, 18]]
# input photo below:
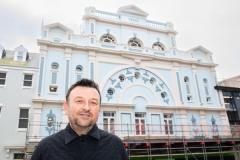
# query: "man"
[[81, 139]]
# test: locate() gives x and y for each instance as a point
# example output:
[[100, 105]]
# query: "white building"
[[18, 73], [146, 82]]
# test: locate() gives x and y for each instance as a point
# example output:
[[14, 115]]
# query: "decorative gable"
[[58, 26], [201, 54], [132, 10], [201, 49]]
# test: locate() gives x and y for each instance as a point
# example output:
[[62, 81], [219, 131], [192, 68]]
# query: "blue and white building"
[[148, 85]]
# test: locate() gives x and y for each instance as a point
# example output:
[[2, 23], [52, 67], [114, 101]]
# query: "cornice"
[[127, 54]]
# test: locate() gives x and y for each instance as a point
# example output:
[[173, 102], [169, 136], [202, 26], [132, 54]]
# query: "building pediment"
[[132, 10], [58, 26], [201, 49]]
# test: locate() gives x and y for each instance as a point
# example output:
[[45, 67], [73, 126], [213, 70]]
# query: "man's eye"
[[94, 103], [79, 101]]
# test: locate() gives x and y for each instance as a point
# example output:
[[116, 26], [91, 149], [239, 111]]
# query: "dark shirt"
[[68, 145]]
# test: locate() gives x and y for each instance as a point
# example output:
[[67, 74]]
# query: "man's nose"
[[86, 106]]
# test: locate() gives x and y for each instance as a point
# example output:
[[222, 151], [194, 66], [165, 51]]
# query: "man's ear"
[[65, 106]]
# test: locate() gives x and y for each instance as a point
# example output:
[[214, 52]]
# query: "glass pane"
[[2, 81], [27, 83], [3, 75], [143, 126], [137, 126], [27, 77], [23, 113], [54, 78], [23, 123], [18, 156]]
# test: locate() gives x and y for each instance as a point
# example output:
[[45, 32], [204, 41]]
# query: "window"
[[18, 156], [152, 80], [27, 82], [20, 56], [110, 91], [23, 118], [107, 38], [79, 69], [54, 77], [92, 28], [55, 65], [108, 121], [188, 90], [53, 87], [121, 78], [158, 46], [137, 75], [205, 84], [134, 42], [3, 78], [168, 123]]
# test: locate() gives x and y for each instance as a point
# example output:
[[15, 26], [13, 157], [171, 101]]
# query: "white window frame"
[[27, 73], [23, 106], [4, 71]]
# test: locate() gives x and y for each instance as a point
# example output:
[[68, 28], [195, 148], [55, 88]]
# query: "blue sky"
[[214, 24]]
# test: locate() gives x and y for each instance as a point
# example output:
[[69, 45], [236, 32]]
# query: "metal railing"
[[37, 131]]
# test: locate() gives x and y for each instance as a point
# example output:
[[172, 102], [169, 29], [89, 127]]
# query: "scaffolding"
[[175, 143]]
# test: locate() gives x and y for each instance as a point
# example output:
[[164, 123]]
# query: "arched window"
[[188, 90], [55, 67], [135, 42], [205, 84], [108, 38], [53, 86], [158, 46], [92, 28], [79, 70]]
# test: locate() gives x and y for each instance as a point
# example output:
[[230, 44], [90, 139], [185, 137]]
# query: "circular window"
[[55, 65], [110, 91], [186, 79], [121, 77], [163, 95], [136, 75], [152, 80], [79, 68]]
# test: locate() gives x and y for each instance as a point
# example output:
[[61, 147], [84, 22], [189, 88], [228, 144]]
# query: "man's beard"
[[80, 123]]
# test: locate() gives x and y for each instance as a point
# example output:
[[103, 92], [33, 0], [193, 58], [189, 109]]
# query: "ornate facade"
[[146, 82]]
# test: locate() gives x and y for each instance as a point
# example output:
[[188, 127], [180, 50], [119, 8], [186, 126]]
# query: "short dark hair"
[[83, 83]]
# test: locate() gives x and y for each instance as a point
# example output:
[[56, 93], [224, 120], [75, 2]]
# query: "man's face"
[[83, 107]]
